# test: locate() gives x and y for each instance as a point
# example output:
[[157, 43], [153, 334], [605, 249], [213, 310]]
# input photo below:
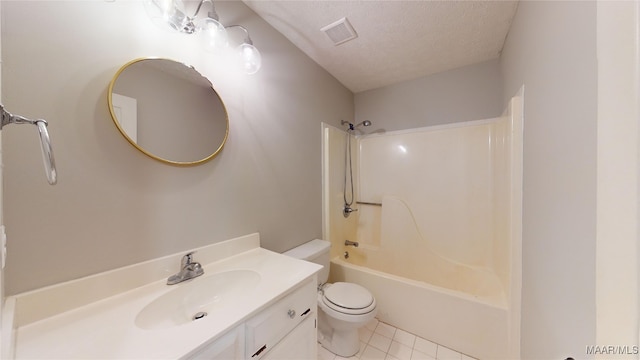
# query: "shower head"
[[353, 127], [350, 125]]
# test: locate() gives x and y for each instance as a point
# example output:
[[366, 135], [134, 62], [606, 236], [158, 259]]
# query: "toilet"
[[343, 307]]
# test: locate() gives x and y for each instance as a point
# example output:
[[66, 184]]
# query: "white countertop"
[[106, 328]]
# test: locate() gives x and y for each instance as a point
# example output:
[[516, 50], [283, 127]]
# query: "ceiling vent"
[[340, 31]]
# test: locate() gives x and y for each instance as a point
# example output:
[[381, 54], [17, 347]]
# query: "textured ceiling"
[[397, 40]]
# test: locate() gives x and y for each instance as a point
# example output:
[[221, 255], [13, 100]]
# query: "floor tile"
[[324, 354], [371, 353], [404, 338], [364, 334], [448, 354], [385, 330], [399, 351], [371, 325], [426, 347], [417, 355], [380, 342]]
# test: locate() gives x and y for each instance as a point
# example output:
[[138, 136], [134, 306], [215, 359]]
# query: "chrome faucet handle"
[[187, 259], [348, 210]]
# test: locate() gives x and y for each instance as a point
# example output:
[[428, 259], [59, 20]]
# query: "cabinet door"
[[228, 347], [266, 329], [299, 344]]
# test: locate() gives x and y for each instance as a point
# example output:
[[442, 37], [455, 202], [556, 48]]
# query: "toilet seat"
[[348, 298]]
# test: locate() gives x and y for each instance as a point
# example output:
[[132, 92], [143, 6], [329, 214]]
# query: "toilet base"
[[342, 342]]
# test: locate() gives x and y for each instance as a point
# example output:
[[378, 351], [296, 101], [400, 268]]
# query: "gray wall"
[[114, 206], [551, 49], [468, 93]]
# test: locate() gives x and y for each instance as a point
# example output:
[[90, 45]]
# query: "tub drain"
[[199, 315]]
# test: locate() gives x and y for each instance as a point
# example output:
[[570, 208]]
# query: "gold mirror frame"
[[146, 151]]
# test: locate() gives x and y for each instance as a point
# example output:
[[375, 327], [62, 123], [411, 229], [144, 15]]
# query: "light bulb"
[[167, 14], [251, 59], [212, 34]]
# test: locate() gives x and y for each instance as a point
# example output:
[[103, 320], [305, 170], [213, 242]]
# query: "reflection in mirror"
[[169, 111]]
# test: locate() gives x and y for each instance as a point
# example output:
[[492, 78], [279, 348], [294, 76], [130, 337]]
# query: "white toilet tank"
[[315, 251]]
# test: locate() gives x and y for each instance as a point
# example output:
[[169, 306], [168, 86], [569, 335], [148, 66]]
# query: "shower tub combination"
[[438, 226]]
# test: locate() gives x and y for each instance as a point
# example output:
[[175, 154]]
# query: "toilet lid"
[[348, 295]]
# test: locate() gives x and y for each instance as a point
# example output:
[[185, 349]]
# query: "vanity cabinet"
[[300, 344], [284, 330], [268, 328], [228, 347]]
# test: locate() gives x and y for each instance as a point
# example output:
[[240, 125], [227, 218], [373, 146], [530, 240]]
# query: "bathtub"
[[471, 324]]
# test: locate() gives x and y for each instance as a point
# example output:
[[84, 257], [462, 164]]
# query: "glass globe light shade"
[[251, 58], [167, 14], [212, 34]]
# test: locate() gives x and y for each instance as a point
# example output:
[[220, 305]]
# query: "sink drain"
[[199, 315]]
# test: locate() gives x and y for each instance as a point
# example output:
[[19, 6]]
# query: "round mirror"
[[168, 110]]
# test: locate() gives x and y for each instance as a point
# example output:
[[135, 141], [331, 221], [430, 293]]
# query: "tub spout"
[[351, 243]]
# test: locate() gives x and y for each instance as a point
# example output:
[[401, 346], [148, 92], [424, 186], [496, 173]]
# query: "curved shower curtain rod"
[[45, 142]]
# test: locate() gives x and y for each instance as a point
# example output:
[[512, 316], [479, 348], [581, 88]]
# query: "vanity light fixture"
[[249, 54], [171, 14]]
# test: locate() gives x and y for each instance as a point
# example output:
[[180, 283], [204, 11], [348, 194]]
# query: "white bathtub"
[[473, 325]]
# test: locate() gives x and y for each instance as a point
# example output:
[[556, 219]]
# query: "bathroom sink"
[[196, 299]]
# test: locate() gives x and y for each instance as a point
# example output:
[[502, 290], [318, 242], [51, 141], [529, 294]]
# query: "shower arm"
[[352, 127], [47, 152]]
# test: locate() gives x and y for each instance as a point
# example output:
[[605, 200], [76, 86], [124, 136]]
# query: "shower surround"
[[442, 251]]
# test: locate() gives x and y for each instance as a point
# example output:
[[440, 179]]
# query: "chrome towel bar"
[[45, 142]]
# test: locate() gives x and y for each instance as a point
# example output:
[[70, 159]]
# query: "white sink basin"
[[196, 299]]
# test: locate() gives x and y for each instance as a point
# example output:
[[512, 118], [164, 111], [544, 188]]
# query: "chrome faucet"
[[188, 270], [351, 243]]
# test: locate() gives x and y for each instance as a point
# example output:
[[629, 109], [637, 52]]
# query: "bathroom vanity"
[[250, 303], [279, 332]]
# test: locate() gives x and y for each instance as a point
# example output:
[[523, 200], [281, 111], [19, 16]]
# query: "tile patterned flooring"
[[382, 341]]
